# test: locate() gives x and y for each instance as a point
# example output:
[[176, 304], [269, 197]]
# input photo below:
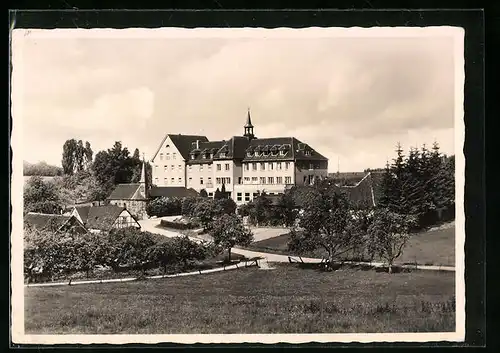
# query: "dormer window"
[[307, 152], [282, 152], [256, 153], [193, 156], [223, 155], [211, 155], [249, 154]]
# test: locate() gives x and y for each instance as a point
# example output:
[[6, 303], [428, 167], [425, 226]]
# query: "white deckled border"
[[17, 299]]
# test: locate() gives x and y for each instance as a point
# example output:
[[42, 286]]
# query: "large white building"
[[246, 165]]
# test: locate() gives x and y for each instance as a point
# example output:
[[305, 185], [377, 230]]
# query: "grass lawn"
[[436, 247], [287, 299]]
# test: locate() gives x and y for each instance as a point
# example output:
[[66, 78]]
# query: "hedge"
[[177, 225]]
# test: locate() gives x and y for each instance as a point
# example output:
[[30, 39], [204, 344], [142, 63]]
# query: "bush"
[[177, 225], [49, 255], [163, 206], [188, 205]]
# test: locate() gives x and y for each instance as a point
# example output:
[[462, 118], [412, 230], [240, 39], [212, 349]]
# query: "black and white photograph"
[[230, 185]]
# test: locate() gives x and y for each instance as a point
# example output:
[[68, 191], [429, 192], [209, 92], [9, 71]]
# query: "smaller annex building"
[[54, 222], [132, 196], [98, 219]]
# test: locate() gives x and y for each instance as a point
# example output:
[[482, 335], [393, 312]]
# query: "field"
[[436, 247], [287, 299]]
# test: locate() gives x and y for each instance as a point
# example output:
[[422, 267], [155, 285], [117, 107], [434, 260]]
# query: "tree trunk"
[[390, 267], [329, 265], [229, 255]]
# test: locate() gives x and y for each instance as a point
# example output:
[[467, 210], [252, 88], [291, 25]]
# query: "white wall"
[[162, 166]]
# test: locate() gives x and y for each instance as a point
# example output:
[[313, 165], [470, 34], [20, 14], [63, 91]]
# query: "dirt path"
[[150, 226]]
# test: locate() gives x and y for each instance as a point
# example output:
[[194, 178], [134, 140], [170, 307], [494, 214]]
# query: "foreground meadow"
[[288, 299]]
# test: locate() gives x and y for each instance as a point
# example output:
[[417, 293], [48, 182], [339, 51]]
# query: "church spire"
[[143, 171], [249, 127]]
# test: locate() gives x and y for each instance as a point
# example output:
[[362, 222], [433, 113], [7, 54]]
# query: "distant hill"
[[41, 169]]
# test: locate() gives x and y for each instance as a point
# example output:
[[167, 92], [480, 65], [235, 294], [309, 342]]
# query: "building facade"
[[98, 219], [245, 165], [132, 196]]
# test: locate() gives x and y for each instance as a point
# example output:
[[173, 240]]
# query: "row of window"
[[265, 154], [227, 166], [167, 156], [239, 196], [172, 181], [270, 166], [172, 167], [206, 155], [209, 181], [268, 180]]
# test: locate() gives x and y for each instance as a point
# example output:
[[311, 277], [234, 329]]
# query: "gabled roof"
[[347, 178], [127, 192], [43, 220], [288, 144], [99, 217], [366, 192], [206, 147], [172, 191], [182, 142], [234, 148]]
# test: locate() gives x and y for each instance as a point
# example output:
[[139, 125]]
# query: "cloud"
[[348, 97]]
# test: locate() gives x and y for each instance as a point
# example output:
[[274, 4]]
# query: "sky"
[[351, 98]]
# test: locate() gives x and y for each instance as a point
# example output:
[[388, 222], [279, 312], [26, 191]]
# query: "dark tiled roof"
[[288, 144], [52, 221], [173, 191], [207, 147], [182, 142], [127, 192], [99, 217], [347, 178], [365, 192], [234, 148]]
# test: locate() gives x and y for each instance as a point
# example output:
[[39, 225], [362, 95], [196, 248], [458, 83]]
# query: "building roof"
[[365, 192], [43, 220], [172, 191], [99, 217], [182, 142], [347, 178], [294, 150], [234, 148], [206, 148], [249, 120], [237, 148], [127, 192]]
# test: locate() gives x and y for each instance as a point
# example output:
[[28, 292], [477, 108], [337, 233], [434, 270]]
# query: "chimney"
[[197, 144]]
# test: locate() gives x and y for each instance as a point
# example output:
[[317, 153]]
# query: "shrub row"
[[163, 206], [177, 225], [49, 255]]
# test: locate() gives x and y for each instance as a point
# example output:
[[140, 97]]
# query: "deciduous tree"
[[228, 230], [327, 223], [41, 196], [388, 234]]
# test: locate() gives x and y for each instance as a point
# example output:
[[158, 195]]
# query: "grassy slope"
[[286, 300], [435, 247]]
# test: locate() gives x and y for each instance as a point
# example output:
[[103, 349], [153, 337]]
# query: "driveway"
[[150, 226], [267, 233]]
